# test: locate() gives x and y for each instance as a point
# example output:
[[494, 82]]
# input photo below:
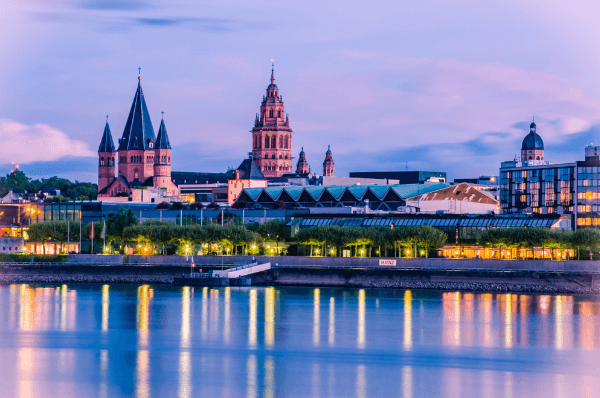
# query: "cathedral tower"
[[272, 135], [328, 164], [162, 158], [106, 159], [136, 146], [302, 166]]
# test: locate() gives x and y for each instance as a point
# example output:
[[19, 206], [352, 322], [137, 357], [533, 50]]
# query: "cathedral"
[[272, 139], [144, 159]]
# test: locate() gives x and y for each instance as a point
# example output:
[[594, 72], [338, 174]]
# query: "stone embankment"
[[104, 279]]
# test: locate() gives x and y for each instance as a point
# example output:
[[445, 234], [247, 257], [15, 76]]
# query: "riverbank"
[[430, 275]]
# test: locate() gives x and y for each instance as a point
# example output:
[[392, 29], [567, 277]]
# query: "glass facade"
[[546, 189], [588, 196]]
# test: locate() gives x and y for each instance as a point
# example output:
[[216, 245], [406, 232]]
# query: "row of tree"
[[528, 238], [18, 182], [331, 238]]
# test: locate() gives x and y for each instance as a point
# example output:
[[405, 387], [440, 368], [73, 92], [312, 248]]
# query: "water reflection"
[[505, 331], [142, 366], [407, 319], [105, 303], [587, 327], [252, 318], [269, 316], [331, 331], [451, 318], [361, 340], [227, 325], [316, 317]]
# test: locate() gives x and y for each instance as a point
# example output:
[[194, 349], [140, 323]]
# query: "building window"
[[101, 161], [271, 113], [280, 142], [286, 143], [266, 142], [273, 156], [273, 142]]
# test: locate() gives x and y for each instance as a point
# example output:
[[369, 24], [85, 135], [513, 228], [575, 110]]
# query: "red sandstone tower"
[[162, 158], [328, 164], [136, 146], [272, 135], [106, 159], [302, 166]]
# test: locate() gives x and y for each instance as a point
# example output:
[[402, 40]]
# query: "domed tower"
[[328, 164], [162, 157], [272, 135], [106, 159], [302, 166], [533, 146]]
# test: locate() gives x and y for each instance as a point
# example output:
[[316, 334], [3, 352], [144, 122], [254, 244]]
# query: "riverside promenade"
[[413, 273]]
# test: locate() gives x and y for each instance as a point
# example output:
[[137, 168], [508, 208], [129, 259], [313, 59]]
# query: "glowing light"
[[316, 317], [252, 319], [407, 319], [270, 316], [331, 322], [105, 304], [361, 339]]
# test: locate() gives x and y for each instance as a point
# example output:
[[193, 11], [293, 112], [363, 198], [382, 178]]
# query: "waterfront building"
[[376, 197], [531, 184], [272, 134], [458, 199], [405, 177], [143, 159]]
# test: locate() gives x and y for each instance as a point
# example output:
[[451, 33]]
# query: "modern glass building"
[[570, 189]]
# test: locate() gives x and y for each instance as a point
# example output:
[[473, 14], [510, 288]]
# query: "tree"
[[586, 238], [430, 238], [116, 224]]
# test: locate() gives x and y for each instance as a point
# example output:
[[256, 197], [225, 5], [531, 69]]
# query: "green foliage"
[[274, 229], [586, 238], [18, 182], [116, 224], [57, 198]]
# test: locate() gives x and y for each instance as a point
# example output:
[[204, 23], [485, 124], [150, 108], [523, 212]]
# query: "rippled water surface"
[[157, 341]]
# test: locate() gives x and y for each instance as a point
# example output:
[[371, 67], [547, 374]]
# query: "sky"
[[437, 85]]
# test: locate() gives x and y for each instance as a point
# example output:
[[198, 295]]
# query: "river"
[[163, 341]]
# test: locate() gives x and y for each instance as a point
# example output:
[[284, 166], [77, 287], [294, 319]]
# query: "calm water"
[[155, 341]]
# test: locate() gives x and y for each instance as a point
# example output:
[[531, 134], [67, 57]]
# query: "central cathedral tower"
[[272, 135]]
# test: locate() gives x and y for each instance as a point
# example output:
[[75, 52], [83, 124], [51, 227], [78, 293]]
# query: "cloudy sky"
[[436, 85]]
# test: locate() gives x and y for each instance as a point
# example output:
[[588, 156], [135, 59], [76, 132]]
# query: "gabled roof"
[[138, 133], [410, 190], [162, 139], [106, 144], [250, 171]]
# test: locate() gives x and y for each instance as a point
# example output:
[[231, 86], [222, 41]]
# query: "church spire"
[[272, 72], [106, 143], [138, 133], [162, 139]]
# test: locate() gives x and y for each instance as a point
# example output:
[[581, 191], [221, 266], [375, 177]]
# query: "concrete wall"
[[582, 266]]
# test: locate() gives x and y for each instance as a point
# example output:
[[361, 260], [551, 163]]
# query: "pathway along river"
[[162, 341]]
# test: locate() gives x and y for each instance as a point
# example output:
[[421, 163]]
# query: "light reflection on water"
[[145, 341]]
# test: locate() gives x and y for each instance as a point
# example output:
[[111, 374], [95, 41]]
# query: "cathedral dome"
[[532, 141]]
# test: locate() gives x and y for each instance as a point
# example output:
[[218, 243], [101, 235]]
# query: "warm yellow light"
[[408, 251], [457, 252], [493, 179], [589, 196], [253, 247], [271, 250], [268, 246]]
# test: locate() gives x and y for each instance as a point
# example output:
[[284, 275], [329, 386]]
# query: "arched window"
[[271, 113], [266, 156], [280, 141], [136, 174], [531, 158], [266, 141], [101, 161], [273, 142], [286, 157], [280, 157], [538, 158], [286, 142], [272, 156], [279, 113]]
